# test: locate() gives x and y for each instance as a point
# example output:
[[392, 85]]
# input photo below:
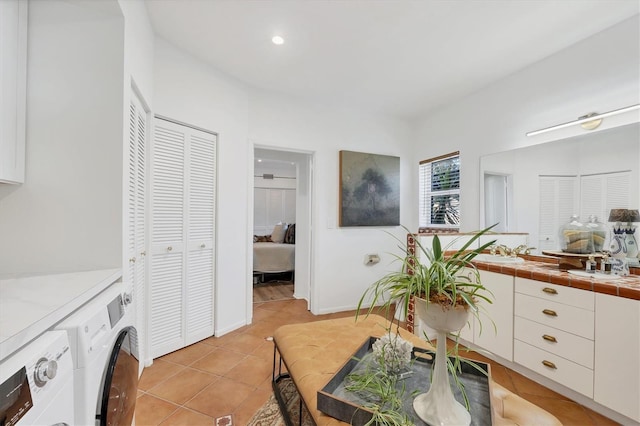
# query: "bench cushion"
[[313, 352]]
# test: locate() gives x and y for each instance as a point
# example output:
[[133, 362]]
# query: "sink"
[[491, 258], [595, 275]]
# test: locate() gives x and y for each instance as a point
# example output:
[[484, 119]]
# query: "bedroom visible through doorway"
[[281, 225]]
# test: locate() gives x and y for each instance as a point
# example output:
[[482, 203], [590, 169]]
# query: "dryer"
[[103, 343], [36, 383]]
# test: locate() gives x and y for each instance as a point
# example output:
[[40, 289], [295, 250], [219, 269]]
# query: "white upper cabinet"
[[13, 89]]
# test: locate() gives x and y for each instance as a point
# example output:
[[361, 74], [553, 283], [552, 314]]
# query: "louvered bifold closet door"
[[131, 194], [136, 220], [200, 236], [558, 200], [166, 295]]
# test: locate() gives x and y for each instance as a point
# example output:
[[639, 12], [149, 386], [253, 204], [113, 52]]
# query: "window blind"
[[439, 191]]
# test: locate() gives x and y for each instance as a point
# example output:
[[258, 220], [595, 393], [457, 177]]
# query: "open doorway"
[[281, 223], [497, 201]]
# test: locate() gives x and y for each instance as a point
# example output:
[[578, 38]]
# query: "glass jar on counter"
[[575, 237], [598, 232]]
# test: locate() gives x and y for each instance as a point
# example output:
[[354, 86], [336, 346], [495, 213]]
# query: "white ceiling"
[[397, 57]]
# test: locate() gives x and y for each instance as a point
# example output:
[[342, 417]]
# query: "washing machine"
[[36, 383], [102, 338]]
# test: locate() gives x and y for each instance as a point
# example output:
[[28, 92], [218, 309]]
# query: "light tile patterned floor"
[[231, 375]]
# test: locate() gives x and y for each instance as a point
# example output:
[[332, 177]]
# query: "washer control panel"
[[15, 397], [32, 375]]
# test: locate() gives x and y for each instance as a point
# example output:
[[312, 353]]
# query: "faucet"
[[522, 248], [503, 250]]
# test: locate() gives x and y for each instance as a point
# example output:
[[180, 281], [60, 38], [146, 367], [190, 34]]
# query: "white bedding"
[[273, 257]]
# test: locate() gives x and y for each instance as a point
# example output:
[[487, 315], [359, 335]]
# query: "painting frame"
[[369, 190]]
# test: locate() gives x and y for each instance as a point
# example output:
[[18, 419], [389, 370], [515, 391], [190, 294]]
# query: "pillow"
[[290, 235], [277, 236], [262, 238]]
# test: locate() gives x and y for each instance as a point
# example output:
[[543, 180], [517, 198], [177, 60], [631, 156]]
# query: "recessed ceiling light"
[[277, 40]]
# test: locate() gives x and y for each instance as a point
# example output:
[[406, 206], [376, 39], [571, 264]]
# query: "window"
[[439, 196]]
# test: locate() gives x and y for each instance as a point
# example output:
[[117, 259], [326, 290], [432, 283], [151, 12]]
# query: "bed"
[[275, 253], [270, 257]]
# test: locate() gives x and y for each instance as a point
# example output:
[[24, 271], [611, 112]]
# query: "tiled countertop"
[[546, 270]]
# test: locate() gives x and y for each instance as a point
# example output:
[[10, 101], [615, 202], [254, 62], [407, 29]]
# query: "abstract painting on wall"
[[369, 189]]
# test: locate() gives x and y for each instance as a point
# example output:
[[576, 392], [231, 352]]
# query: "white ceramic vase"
[[438, 406]]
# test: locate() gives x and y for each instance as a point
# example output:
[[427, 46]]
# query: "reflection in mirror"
[[538, 188], [496, 199]]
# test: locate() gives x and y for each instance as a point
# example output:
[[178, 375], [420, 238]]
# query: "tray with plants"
[[378, 384]]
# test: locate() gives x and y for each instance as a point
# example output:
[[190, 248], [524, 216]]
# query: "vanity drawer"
[[556, 293], [558, 342], [558, 369], [562, 317]]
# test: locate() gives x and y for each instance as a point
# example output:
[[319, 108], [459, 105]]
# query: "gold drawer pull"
[[549, 338], [549, 364], [549, 312], [550, 290]]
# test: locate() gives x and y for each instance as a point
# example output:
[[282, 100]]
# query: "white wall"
[[187, 90], [598, 74], [339, 276], [67, 216], [138, 50]]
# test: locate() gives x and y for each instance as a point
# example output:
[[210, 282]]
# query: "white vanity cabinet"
[[13, 89], [494, 333], [617, 354], [554, 332]]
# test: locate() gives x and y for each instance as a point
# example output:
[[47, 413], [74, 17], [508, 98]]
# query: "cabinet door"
[[498, 339], [289, 206], [261, 224], [201, 183], [166, 324], [135, 259], [275, 206], [166, 293], [13, 89], [617, 354]]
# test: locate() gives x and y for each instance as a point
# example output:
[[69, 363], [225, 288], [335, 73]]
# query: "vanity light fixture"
[[588, 122]]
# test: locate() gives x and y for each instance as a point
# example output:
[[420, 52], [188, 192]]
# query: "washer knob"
[[45, 370], [127, 298]]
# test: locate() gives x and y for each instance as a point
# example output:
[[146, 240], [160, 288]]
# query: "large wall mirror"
[[537, 189]]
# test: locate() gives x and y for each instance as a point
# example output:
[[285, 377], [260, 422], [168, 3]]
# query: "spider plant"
[[434, 274], [439, 275]]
